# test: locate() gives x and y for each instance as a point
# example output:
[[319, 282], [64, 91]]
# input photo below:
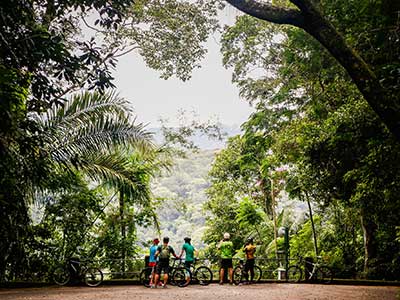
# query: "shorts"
[[249, 265], [152, 264], [188, 264], [226, 263], [162, 266]]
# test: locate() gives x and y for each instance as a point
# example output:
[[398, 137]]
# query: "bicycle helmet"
[[227, 236], [249, 240]]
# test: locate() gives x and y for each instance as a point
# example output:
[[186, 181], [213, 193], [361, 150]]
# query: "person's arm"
[[157, 252], [219, 244], [173, 252], [180, 255]]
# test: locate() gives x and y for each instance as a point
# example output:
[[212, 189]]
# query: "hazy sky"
[[210, 92]]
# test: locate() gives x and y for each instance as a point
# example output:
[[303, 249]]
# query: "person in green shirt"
[[189, 256], [225, 247]]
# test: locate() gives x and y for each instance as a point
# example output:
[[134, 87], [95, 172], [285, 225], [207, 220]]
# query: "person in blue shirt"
[[153, 260]]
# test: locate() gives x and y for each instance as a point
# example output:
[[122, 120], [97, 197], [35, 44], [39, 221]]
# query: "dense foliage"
[[313, 121], [45, 58]]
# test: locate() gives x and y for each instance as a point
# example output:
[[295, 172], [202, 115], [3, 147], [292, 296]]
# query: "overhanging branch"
[[268, 12]]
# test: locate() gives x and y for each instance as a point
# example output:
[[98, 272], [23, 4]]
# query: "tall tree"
[[374, 78], [300, 83]]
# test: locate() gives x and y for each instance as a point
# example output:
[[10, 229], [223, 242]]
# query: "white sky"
[[209, 93]]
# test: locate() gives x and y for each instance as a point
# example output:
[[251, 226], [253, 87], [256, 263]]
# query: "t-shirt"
[[226, 248], [153, 250], [250, 250], [165, 252], [189, 252]]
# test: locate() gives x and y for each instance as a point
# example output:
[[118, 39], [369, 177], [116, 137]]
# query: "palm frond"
[[84, 107]]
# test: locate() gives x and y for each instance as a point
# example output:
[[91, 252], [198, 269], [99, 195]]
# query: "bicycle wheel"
[[257, 274], [179, 277], [93, 276], [145, 276], [293, 274], [203, 275], [324, 274], [61, 275], [237, 275]]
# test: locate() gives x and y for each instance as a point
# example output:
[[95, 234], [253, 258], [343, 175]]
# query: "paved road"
[[270, 291]]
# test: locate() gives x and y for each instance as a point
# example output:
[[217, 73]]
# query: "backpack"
[[165, 252]]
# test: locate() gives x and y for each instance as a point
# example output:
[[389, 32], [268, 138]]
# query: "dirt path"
[[211, 292]]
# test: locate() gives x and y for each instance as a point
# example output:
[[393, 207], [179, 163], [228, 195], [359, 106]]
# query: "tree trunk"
[[309, 18], [123, 231], [370, 247], [274, 218], [312, 225]]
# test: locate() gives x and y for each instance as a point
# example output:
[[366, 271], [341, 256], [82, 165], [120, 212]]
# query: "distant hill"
[[202, 141], [183, 192]]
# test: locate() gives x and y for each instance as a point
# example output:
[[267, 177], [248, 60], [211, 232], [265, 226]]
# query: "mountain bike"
[[320, 272], [75, 269], [239, 275], [176, 274], [201, 275]]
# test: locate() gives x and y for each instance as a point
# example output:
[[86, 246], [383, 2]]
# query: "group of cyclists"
[[159, 259], [160, 255]]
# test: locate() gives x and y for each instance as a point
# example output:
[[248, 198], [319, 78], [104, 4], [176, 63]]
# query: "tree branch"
[[268, 12]]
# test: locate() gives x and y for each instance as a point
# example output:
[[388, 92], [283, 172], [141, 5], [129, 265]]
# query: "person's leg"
[[187, 266], [246, 271], [156, 279], [230, 270], [221, 275], [251, 267], [152, 275], [166, 270], [158, 273]]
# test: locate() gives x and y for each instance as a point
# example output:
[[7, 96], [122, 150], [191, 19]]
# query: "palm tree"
[[96, 135]]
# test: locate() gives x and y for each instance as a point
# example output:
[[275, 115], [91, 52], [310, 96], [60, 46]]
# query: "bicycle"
[[202, 274], [239, 273], [176, 274], [77, 270], [320, 272]]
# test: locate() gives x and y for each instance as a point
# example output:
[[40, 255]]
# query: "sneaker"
[[152, 286], [164, 286], [221, 283]]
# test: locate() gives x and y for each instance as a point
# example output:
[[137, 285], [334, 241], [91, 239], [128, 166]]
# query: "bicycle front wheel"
[[93, 277], [324, 274], [203, 275], [237, 275], [61, 275], [293, 274], [179, 277]]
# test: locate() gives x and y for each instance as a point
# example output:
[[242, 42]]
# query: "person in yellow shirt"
[[249, 250]]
